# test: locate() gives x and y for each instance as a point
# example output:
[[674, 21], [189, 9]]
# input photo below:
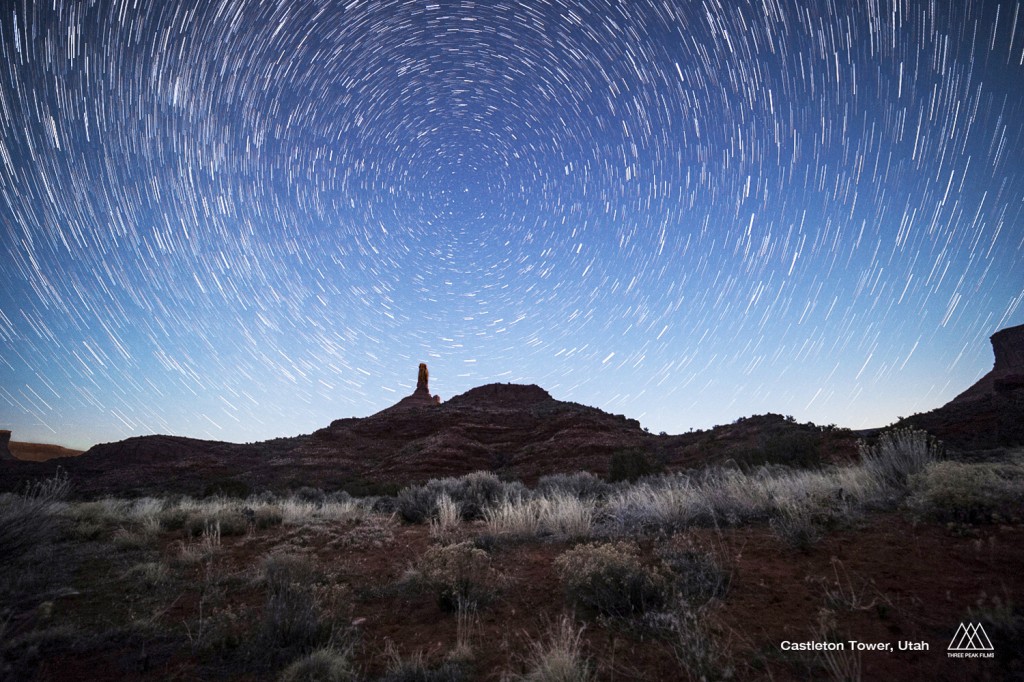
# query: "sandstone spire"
[[423, 381], [421, 396], [5, 438]]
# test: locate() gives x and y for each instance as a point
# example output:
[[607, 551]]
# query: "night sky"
[[239, 219]]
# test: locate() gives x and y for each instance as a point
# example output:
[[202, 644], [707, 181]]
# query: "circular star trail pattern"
[[240, 219]]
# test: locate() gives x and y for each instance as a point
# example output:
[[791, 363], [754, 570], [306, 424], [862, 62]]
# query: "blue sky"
[[241, 220]]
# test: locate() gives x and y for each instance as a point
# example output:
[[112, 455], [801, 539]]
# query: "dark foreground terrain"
[[699, 576]]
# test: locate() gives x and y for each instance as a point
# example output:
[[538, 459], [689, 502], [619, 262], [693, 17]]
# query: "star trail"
[[241, 219]]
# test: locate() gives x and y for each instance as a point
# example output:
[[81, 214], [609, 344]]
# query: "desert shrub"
[[630, 465], [581, 484], [416, 503], [969, 493], [611, 580], [697, 573], [476, 491], [384, 505], [322, 665], [898, 455], [173, 518], [28, 519], [473, 493], [795, 525], [291, 617], [702, 651], [338, 497], [267, 516], [202, 548], [559, 657], [460, 575], [309, 494], [280, 571]]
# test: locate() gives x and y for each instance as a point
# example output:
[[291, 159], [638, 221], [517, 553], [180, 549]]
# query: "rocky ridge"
[[989, 414]]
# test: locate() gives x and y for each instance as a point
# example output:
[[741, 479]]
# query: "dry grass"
[[558, 658], [557, 514]]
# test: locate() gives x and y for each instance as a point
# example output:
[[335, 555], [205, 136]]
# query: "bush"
[[969, 493], [280, 572], [291, 618], [310, 494], [701, 651], [611, 580], [473, 493], [416, 503], [630, 465], [323, 665], [268, 517], [460, 574], [697, 574], [796, 526], [28, 519], [173, 518], [898, 455], [582, 484]]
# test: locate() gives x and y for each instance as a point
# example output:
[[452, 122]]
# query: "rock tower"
[[421, 396], [5, 438]]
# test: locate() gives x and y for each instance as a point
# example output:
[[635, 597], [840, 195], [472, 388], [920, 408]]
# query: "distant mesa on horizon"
[[14, 451]]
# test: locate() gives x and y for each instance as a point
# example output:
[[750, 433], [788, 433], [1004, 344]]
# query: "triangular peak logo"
[[971, 638]]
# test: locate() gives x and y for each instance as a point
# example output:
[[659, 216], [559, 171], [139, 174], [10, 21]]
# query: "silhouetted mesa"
[[989, 414], [1007, 373], [5, 438]]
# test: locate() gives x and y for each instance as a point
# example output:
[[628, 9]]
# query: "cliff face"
[[990, 413], [1007, 373], [1008, 346]]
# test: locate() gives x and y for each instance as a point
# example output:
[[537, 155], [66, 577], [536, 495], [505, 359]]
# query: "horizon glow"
[[240, 220]]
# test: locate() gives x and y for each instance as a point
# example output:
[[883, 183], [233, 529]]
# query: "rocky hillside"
[[989, 414], [514, 430]]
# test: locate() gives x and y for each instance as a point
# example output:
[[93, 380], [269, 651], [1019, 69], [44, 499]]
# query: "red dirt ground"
[[899, 581]]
